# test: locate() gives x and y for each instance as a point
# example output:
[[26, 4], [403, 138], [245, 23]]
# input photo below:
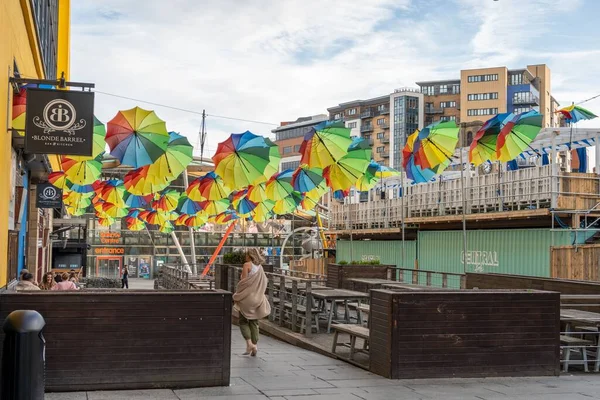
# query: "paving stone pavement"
[[284, 372]]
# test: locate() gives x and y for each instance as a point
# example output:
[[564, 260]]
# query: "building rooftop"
[[357, 103], [302, 121], [439, 82]]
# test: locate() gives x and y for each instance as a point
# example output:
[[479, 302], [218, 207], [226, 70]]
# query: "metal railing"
[[444, 280], [176, 278], [433, 110], [366, 114], [366, 128]]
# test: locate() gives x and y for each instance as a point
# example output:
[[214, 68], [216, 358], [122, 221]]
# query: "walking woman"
[[125, 278], [250, 299]]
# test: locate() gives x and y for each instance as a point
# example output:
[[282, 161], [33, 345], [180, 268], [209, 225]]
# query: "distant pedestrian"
[[26, 283], [250, 299], [73, 277], [65, 283], [48, 281], [125, 278]]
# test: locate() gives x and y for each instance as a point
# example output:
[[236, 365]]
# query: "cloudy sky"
[[276, 60]]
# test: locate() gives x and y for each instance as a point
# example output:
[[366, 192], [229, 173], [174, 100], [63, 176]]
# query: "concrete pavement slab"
[[156, 394]]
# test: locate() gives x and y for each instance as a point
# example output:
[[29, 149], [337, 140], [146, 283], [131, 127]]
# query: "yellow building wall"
[[467, 88]]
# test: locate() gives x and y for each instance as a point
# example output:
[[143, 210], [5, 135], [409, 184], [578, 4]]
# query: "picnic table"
[[585, 320], [368, 283], [581, 317], [332, 296], [408, 286]]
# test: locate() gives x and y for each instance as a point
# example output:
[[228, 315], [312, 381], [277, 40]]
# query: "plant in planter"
[[343, 262], [235, 257]]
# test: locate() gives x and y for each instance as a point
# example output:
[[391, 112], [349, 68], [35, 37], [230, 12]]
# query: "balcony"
[[385, 125], [385, 139], [366, 128], [385, 155], [432, 110], [384, 111], [367, 114], [527, 100]]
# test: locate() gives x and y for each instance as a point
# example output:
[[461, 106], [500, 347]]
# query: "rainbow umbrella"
[[436, 144], [99, 143], [319, 190], [167, 201], [82, 172], [350, 168], [308, 202], [177, 157], [208, 187], [373, 174], [111, 191], [242, 204], [180, 221], [341, 194], [257, 193], [83, 189], [112, 210], [167, 227], [134, 224], [325, 144], [141, 183], [263, 211], [275, 157], [306, 179], [242, 160], [19, 107], [106, 221], [517, 134], [76, 200], [59, 180], [134, 201], [483, 146], [288, 204], [407, 150], [137, 137], [154, 217], [75, 212], [214, 207], [574, 114], [196, 220], [279, 186], [416, 173], [226, 217], [187, 206]]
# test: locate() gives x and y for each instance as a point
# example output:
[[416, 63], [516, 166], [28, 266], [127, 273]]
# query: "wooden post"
[[444, 280], [463, 281], [308, 314], [428, 277], [281, 299], [295, 304], [270, 291]]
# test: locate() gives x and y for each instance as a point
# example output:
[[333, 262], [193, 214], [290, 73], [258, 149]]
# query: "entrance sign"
[[48, 196], [59, 122]]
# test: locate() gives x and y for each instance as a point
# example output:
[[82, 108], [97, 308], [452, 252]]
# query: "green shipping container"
[[511, 251], [386, 251]]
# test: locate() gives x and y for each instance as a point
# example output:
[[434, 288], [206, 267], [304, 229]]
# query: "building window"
[[337, 116], [448, 104], [516, 79], [46, 24], [380, 135], [428, 90], [482, 78], [481, 111], [482, 96], [351, 111], [447, 118], [443, 89], [469, 138], [290, 165], [351, 125], [380, 149], [296, 148], [287, 149], [291, 133], [455, 89], [521, 110], [380, 121], [381, 107]]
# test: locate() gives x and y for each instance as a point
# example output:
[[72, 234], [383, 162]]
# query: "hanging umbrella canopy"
[[263, 211], [180, 221], [226, 217], [574, 114], [242, 160], [111, 191], [112, 210], [137, 137], [257, 193], [407, 151], [166, 227], [274, 159], [208, 187], [82, 172], [279, 186], [59, 180], [75, 212], [99, 143], [196, 220], [243, 206], [106, 221], [177, 157], [340, 194], [417, 174], [350, 168], [517, 134], [306, 179], [288, 204], [77, 200], [154, 217], [134, 224], [19, 107], [133, 201], [214, 207], [308, 202], [141, 183], [483, 147], [325, 144], [167, 201], [436, 144], [187, 206], [373, 174]]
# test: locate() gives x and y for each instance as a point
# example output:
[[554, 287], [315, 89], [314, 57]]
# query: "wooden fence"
[[432, 278], [175, 278], [576, 262], [315, 266], [121, 340], [501, 281], [338, 274]]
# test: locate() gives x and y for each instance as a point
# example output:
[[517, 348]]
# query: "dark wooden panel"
[[465, 333], [338, 275], [101, 340], [500, 281]]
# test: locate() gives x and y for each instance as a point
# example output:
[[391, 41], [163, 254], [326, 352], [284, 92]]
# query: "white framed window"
[[287, 149], [380, 121], [337, 116], [351, 111], [351, 125]]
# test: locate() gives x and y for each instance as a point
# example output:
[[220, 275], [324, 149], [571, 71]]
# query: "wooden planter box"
[[338, 275], [121, 340], [464, 334]]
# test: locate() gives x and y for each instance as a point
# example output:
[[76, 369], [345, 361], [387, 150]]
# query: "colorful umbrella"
[[106, 221], [137, 137], [167, 202], [483, 146], [325, 144], [187, 206], [177, 157], [226, 217], [75, 212], [112, 210], [436, 144], [59, 179], [167, 227], [263, 211], [18, 109], [208, 187], [288, 204], [517, 134], [308, 202], [214, 207], [180, 221], [350, 168], [141, 183], [99, 143], [373, 174], [306, 179], [242, 160], [574, 114], [196, 220], [133, 201], [257, 193], [279, 186], [83, 189], [407, 151], [111, 191], [417, 174], [82, 172], [154, 217], [275, 158], [134, 224], [242, 204], [76, 200]]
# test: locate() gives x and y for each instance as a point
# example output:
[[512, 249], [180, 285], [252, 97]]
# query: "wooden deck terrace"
[[525, 194]]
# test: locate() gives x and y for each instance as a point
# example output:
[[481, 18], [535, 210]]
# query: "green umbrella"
[[325, 144], [177, 157], [280, 185], [517, 134], [350, 168], [288, 204], [373, 174]]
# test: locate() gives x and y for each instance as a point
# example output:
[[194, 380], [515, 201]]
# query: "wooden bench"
[[361, 311], [580, 344], [301, 314], [355, 331]]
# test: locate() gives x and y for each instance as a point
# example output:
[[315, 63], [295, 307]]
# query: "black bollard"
[[23, 356]]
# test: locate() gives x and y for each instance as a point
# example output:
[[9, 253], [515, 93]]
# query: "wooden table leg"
[[331, 305]]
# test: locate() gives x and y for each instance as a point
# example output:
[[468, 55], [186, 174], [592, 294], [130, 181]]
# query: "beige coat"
[[250, 297], [26, 285]]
